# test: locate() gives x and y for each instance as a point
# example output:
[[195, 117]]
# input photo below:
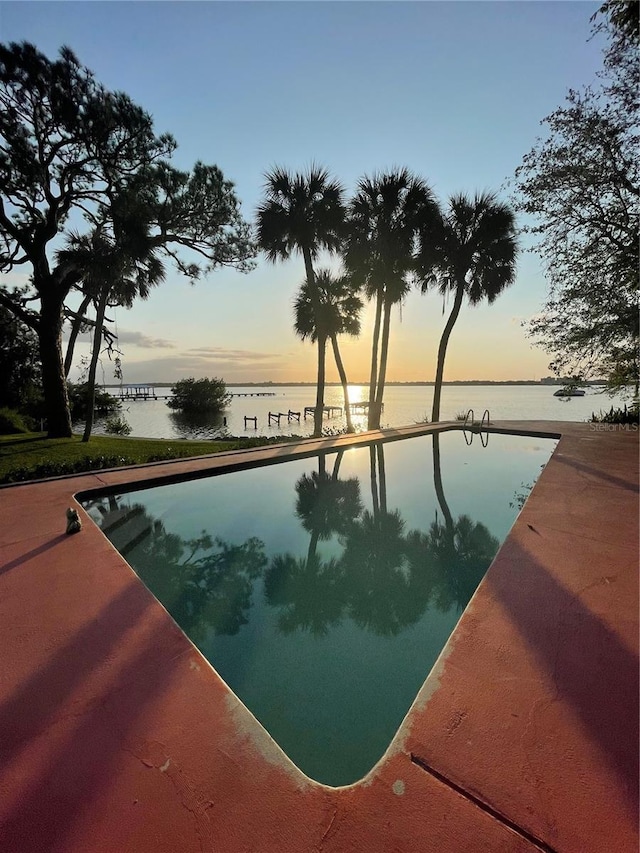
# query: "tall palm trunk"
[[315, 298], [322, 352], [442, 351], [75, 331], [95, 353], [343, 381], [374, 363], [384, 353]]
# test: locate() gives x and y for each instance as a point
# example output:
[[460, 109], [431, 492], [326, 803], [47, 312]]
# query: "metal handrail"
[[469, 425], [485, 439]]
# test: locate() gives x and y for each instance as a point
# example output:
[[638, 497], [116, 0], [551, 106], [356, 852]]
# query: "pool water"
[[323, 589]]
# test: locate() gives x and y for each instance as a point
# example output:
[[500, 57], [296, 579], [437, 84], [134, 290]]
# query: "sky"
[[455, 90]]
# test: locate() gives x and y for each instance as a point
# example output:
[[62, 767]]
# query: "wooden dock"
[[329, 411], [148, 392], [274, 417], [139, 392], [362, 407]]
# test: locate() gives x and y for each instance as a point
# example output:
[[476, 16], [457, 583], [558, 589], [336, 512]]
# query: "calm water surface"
[[323, 590], [403, 405]]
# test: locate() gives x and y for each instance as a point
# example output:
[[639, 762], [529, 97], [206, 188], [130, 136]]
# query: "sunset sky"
[[453, 90]]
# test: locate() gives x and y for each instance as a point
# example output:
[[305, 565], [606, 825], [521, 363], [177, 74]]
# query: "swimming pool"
[[323, 589]]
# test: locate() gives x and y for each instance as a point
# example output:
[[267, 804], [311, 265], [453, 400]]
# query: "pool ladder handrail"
[[487, 416], [482, 428], [468, 424]]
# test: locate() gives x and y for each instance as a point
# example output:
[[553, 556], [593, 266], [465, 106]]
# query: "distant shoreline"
[[543, 382]]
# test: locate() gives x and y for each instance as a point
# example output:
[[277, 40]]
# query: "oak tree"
[[581, 185], [68, 148]]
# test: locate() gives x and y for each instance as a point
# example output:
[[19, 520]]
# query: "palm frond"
[[338, 307], [472, 245], [303, 211], [385, 219]]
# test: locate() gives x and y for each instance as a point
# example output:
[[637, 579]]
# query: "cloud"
[[229, 355], [136, 339], [275, 367], [139, 339]]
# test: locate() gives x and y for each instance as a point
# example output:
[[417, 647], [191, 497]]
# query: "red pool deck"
[[116, 736]]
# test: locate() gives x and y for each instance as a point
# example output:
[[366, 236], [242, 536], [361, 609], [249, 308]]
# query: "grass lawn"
[[29, 456]]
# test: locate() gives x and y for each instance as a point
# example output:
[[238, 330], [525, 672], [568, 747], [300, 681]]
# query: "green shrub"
[[12, 422], [117, 425], [59, 469], [616, 416], [104, 402], [199, 395]]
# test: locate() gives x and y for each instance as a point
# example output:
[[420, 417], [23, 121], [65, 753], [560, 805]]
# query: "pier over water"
[[146, 391]]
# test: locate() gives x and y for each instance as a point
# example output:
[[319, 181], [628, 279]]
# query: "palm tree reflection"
[[463, 548], [460, 557], [380, 581], [385, 577], [327, 505], [369, 570], [308, 591]]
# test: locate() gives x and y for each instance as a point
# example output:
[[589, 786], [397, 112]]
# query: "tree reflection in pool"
[[326, 610]]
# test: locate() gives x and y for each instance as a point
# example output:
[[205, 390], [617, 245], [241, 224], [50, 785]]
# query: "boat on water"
[[569, 392]]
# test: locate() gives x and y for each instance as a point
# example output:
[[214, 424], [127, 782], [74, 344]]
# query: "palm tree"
[[340, 308], [382, 229], [469, 250], [303, 213], [78, 322], [116, 267]]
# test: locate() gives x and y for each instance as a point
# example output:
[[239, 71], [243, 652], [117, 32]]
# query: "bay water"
[[403, 405]]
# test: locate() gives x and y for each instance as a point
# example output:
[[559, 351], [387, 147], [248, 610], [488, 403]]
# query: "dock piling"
[[329, 411]]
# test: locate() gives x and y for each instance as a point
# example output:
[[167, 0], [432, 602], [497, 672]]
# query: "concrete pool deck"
[[116, 735]]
